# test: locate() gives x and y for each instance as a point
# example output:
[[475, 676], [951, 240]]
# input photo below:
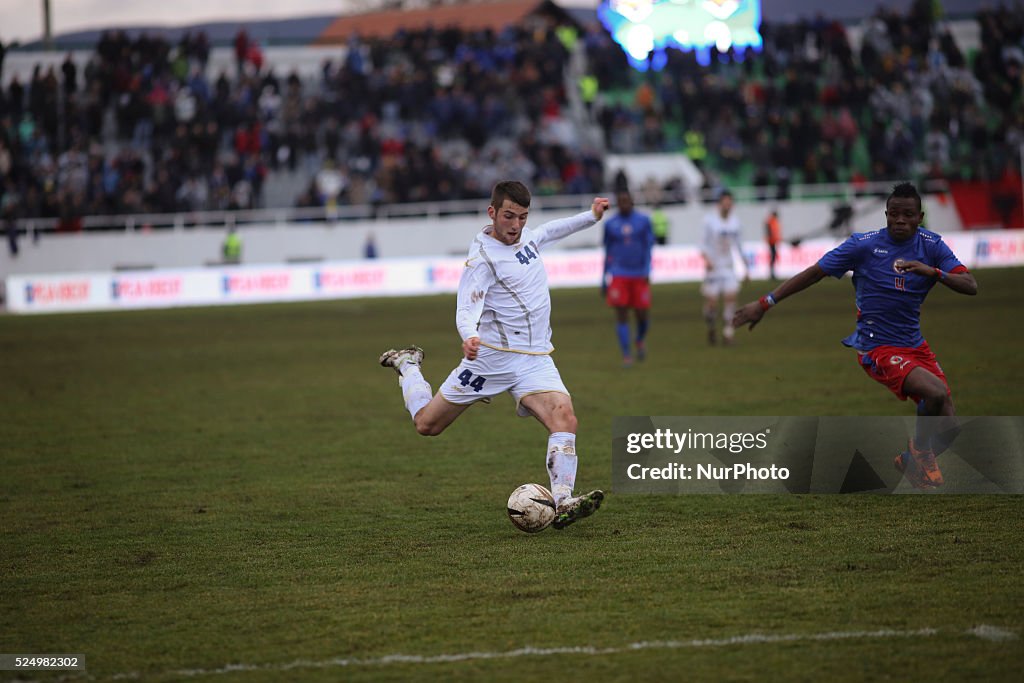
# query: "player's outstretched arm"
[[552, 231], [753, 312], [962, 282]]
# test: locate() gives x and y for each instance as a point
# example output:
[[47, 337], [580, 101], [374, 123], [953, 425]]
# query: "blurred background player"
[[659, 221], [893, 271], [721, 249], [772, 235], [628, 240], [503, 313]]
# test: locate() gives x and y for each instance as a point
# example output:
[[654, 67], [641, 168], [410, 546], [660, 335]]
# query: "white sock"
[[727, 314], [561, 461], [415, 389]]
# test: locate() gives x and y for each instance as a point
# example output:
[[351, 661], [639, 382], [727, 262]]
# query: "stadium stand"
[[812, 108], [411, 113]]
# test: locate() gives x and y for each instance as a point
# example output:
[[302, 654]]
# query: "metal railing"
[[433, 210]]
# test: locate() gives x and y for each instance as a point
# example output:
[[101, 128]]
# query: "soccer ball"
[[531, 507]]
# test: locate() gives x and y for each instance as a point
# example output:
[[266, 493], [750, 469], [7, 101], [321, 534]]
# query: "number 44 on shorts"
[[467, 379]]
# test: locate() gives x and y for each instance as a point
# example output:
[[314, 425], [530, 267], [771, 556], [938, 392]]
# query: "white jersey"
[[721, 243], [503, 292]]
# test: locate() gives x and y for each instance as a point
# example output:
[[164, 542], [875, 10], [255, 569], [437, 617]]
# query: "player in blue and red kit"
[[893, 270], [628, 240]]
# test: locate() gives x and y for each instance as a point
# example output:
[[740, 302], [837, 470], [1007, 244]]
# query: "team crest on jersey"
[[900, 282]]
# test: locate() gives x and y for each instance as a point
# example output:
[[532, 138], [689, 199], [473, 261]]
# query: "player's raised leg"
[[554, 410], [431, 416], [437, 415], [415, 389]]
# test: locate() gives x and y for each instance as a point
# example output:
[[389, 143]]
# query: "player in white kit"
[[503, 315], [721, 249]]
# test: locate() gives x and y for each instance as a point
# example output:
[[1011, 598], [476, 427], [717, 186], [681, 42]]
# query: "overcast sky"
[[23, 19]]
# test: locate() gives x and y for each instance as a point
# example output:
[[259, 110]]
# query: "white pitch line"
[[983, 631], [986, 632]]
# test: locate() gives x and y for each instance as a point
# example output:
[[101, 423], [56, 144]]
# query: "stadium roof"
[[304, 29], [267, 32], [494, 15]]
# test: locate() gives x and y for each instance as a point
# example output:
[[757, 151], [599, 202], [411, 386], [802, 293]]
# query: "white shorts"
[[720, 282], [494, 372]]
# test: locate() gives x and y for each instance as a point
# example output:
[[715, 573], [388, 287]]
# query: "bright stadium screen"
[[645, 28]]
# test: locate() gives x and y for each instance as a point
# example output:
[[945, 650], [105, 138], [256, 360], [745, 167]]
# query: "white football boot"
[[396, 359]]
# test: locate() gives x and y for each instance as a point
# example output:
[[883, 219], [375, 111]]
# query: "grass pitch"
[[189, 490]]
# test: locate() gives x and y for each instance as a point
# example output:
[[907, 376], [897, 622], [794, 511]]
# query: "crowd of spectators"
[[421, 116], [141, 129], [809, 108], [443, 114], [439, 115]]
